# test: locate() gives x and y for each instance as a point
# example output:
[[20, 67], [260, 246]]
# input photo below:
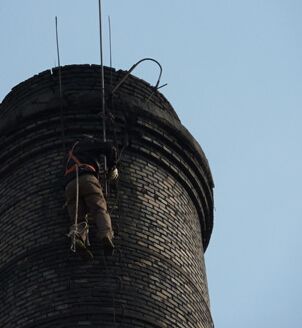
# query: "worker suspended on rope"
[[83, 192]]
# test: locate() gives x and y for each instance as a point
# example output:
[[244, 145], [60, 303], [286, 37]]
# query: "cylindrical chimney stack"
[[161, 208]]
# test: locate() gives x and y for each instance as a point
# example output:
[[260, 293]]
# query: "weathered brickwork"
[[162, 209]]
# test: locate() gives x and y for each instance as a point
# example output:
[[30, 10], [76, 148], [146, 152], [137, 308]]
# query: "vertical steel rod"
[[60, 85], [110, 48], [103, 94], [110, 52], [58, 56], [102, 71], [57, 41]]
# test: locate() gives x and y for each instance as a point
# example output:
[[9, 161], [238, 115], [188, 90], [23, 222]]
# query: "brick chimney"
[[162, 208]]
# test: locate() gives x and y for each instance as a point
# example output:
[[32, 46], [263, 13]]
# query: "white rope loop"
[[81, 230], [77, 231]]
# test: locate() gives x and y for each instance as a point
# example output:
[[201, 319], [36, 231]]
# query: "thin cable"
[[103, 94], [102, 70], [60, 86], [75, 231], [77, 195], [57, 40], [110, 52], [110, 100], [110, 44]]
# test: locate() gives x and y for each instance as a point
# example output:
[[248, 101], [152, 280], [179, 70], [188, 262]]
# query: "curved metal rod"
[[132, 68]]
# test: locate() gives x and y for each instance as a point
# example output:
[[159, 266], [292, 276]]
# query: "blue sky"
[[234, 75]]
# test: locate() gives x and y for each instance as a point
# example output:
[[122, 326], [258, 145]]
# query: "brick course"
[[162, 209]]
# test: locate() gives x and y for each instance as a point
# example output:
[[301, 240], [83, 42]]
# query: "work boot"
[[84, 252], [106, 242], [104, 231]]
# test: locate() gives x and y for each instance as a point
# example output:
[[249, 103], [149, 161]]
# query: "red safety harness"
[[77, 162]]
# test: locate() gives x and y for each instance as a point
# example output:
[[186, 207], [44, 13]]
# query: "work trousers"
[[91, 203]]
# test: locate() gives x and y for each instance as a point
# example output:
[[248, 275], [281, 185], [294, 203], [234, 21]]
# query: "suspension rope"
[[77, 230], [74, 230], [103, 95], [77, 204]]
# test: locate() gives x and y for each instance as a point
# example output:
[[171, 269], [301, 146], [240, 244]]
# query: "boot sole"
[[108, 246], [83, 251]]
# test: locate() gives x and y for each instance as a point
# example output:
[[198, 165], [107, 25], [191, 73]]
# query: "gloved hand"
[[113, 174]]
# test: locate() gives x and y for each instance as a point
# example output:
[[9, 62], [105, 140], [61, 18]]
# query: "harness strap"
[[85, 166], [73, 168]]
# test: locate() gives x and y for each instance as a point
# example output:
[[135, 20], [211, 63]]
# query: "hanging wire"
[[110, 39], [102, 70], [60, 87], [104, 138], [103, 96], [57, 42]]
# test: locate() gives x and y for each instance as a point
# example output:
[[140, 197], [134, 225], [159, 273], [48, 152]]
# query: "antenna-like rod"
[[102, 72], [57, 41], [58, 56], [60, 86], [103, 96], [110, 51], [110, 48]]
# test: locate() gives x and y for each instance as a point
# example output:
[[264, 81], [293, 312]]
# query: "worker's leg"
[[97, 207]]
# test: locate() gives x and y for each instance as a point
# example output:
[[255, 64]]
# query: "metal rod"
[[103, 94], [57, 41], [58, 56], [60, 85], [110, 47], [110, 52], [102, 72]]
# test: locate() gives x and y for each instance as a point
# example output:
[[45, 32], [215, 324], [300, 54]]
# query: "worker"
[[85, 158]]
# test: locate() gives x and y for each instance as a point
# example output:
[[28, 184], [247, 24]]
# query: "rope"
[[76, 210], [77, 230]]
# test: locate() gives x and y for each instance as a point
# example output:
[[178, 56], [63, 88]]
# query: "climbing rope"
[[74, 231], [78, 230]]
